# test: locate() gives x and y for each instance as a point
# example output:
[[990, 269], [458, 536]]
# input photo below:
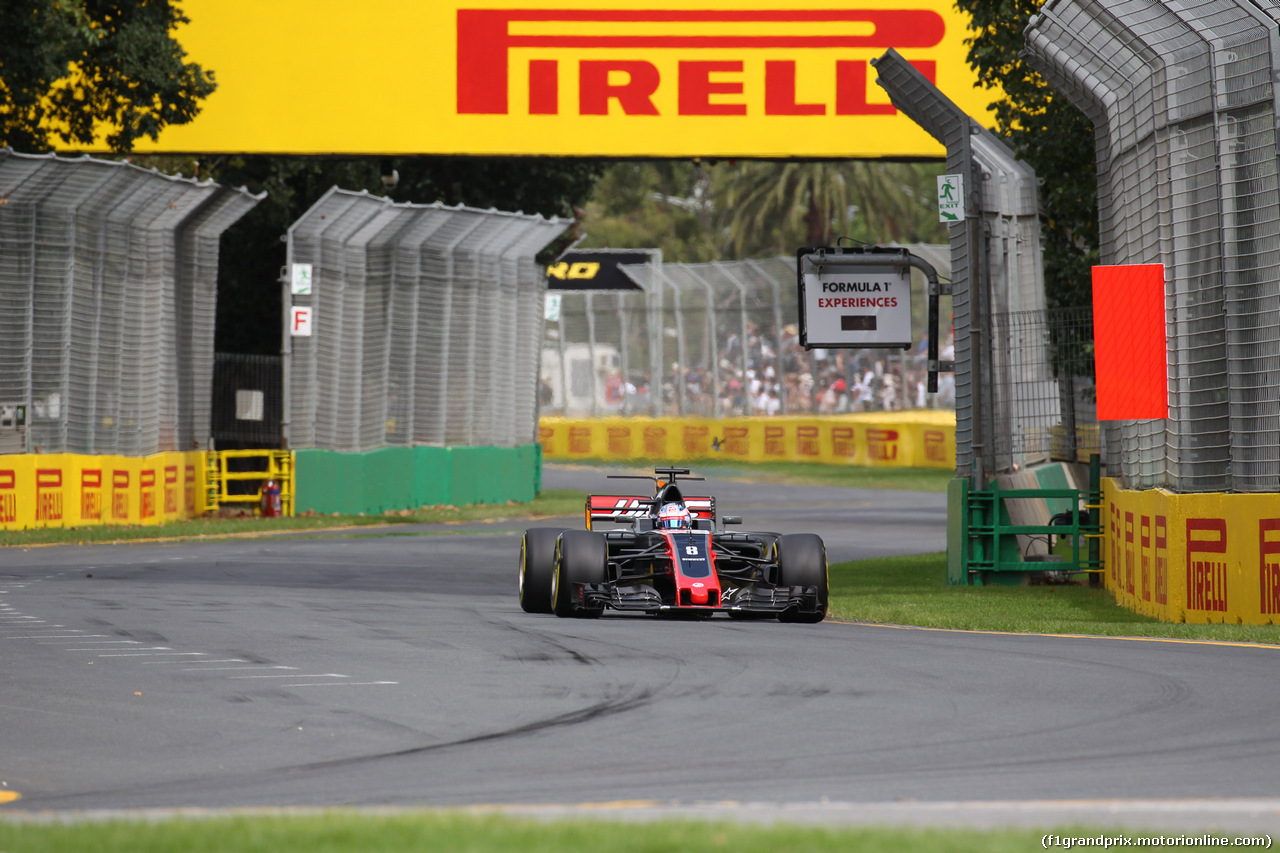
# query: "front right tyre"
[[537, 566], [802, 561]]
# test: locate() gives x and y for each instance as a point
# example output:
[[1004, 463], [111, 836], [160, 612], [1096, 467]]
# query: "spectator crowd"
[[772, 374]]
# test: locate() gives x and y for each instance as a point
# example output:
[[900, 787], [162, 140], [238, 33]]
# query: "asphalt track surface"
[[399, 671]]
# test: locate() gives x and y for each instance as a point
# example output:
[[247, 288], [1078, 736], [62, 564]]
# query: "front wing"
[[745, 599]]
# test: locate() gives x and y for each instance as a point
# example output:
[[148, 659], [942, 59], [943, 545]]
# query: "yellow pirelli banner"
[[908, 439], [611, 78], [72, 490], [1193, 558]]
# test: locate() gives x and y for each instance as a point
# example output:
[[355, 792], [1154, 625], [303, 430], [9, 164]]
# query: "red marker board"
[[1130, 349]]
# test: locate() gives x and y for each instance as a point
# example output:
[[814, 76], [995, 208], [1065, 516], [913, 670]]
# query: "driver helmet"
[[673, 516]]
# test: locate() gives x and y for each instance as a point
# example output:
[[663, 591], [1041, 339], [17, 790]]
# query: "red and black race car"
[[666, 555]]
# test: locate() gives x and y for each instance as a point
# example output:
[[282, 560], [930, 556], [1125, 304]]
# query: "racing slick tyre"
[[802, 561], [537, 565], [581, 557]]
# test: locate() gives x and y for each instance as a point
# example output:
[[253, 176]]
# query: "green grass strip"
[[345, 832], [800, 473], [553, 502], [914, 591]]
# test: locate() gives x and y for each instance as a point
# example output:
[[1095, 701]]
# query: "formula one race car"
[[668, 557]]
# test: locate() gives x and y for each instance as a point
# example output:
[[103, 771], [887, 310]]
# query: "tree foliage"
[[699, 212], [659, 204], [70, 69], [1051, 135]]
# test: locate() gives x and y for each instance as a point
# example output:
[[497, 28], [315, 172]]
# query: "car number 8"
[[691, 550]]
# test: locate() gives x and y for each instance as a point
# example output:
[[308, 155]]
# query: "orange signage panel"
[[613, 78]]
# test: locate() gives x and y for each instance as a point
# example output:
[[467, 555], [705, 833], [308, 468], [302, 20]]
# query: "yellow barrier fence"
[[72, 490], [1193, 558], [922, 439], [261, 466]]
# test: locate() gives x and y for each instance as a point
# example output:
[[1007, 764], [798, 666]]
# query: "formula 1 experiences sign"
[[852, 301], [613, 78]]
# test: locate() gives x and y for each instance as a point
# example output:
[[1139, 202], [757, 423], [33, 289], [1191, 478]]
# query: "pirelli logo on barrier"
[[807, 441], [48, 494], [1130, 570], [1161, 557], [1206, 564], [91, 494], [882, 445], [170, 489], [1269, 565], [935, 445], [579, 439], [696, 439], [1153, 558], [120, 495], [737, 441], [189, 488], [843, 443], [655, 441], [775, 441], [147, 493], [1144, 534], [1113, 564], [619, 439], [8, 496]]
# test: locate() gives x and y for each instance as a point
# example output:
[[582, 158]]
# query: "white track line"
[[341, 684], [216, 668], [295, 675]]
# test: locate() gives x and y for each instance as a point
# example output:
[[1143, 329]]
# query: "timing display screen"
[[857, 323]]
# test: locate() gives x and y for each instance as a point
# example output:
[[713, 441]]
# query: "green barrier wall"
[[397, 478], [431, 476]]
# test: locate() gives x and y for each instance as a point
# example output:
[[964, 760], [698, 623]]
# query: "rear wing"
[[621, 509]]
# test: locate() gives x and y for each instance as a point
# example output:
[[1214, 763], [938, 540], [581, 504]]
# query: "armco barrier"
[[922, 439], [74, 490], [1193, 558], [398, 478]]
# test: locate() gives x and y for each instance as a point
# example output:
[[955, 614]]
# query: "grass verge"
[[552, 502], [808, 474], [914, 591], [344, 832]]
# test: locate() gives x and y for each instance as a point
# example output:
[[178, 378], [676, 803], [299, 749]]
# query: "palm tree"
[[776, 207], [896, 202], [766, 207]]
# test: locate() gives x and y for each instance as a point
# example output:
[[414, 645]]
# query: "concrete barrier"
[[1193, 558], [77, 490], [921, 439], [397, 478]]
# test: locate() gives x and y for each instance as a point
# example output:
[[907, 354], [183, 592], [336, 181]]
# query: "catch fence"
[[721, 340], [1043, 385], [108, 284], [1183, 105], [424, 322]]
